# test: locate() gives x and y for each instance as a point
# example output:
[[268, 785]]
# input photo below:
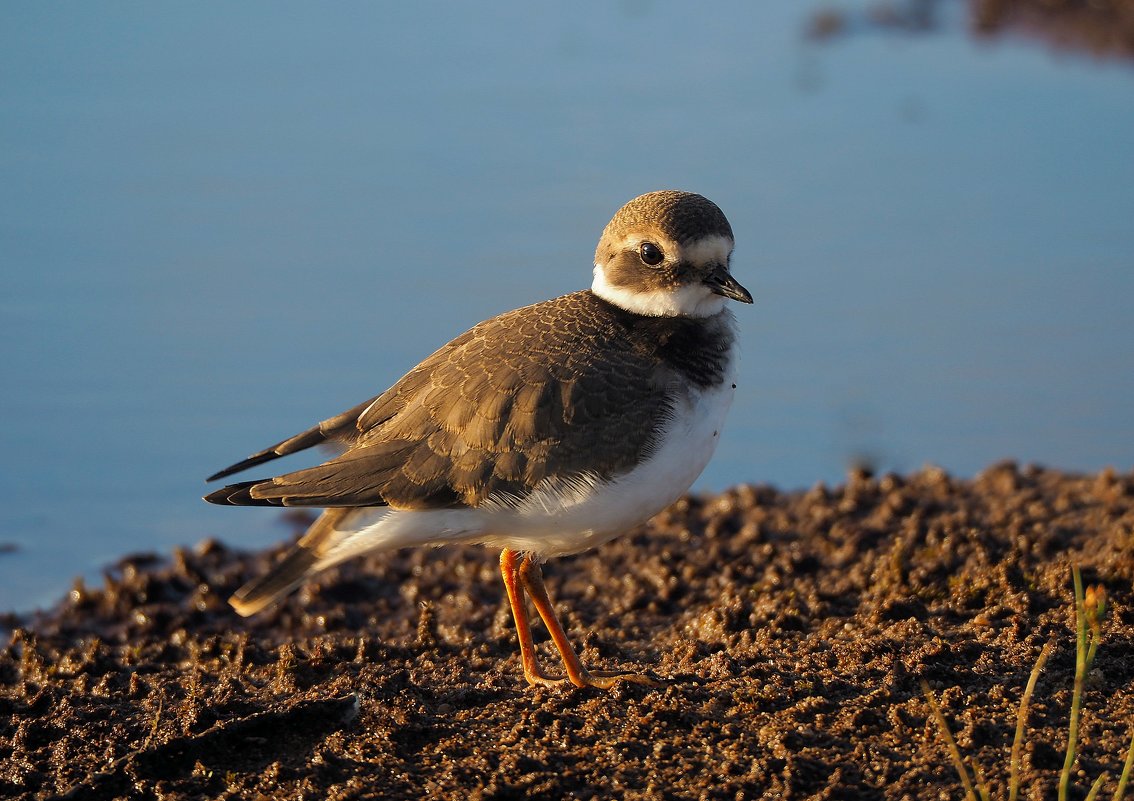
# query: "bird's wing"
[[493, 414], [344, 429]]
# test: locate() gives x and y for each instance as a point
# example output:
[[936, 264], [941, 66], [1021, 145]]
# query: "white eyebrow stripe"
[[708, 250], [714, 249]]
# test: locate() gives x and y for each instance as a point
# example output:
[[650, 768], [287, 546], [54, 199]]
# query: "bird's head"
[[666, 254]]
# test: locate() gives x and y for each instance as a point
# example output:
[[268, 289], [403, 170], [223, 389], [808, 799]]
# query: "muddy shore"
[[791, 631]]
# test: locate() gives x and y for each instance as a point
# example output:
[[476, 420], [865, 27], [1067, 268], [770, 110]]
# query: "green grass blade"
[[1125, 777], [1021, 721], [1093, 794], [981, 785], [1077, 692], [954, 752]]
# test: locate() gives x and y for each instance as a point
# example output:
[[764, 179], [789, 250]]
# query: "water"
[[219, 224]]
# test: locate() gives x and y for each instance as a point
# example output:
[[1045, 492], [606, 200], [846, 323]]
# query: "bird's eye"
[[651, 254]]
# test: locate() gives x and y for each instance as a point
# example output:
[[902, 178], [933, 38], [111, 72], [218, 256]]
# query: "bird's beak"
[[723, 284]]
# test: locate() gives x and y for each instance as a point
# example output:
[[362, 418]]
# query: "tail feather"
[[342, 534], [306, 559], [281, 580]]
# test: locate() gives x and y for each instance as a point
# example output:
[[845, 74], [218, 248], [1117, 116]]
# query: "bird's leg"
[[509, 569], [531, 577]]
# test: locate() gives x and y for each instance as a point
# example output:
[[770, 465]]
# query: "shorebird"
[[543, 431]]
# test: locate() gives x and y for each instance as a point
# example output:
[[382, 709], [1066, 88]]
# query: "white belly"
[[557, 520]]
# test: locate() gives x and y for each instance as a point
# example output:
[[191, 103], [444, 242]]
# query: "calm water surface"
[[220, 224]]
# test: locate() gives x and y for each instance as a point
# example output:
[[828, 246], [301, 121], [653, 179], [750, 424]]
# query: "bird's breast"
[[564, 516]]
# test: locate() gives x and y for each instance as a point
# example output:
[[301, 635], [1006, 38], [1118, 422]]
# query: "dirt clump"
[[792, 631]]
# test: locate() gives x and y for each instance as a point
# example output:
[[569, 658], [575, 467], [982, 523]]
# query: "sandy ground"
[[791, 631]]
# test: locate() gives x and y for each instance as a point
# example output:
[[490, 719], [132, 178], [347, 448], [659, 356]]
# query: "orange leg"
[[509, 569], [531, 579]]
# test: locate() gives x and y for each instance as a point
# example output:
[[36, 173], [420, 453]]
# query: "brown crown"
[[683, 216]]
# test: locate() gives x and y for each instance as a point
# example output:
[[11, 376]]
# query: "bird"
[[544, 431]]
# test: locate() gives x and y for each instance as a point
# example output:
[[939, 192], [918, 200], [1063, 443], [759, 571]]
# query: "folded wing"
[[491, 414]]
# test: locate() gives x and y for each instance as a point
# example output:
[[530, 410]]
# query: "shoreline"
[[792, 631]]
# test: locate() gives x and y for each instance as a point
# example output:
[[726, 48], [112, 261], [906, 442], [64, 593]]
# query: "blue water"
[[220, 223]]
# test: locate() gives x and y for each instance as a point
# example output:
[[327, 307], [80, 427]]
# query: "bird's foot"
[[605, 679], [600, 679]]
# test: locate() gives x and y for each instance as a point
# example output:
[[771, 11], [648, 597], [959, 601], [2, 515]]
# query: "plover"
[[543, 431]]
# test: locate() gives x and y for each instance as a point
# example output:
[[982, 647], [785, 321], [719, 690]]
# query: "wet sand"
[[791, 631]]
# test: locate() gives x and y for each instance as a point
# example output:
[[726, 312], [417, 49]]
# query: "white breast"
[[555, 521]]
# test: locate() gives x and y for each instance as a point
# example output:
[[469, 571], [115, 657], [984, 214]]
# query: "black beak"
[[723, 284]]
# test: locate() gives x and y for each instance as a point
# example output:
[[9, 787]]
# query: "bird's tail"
[[307, 558], [280, 581], [340, 534]]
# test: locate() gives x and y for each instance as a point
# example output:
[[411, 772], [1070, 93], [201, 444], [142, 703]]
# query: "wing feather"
[[497, 410]]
